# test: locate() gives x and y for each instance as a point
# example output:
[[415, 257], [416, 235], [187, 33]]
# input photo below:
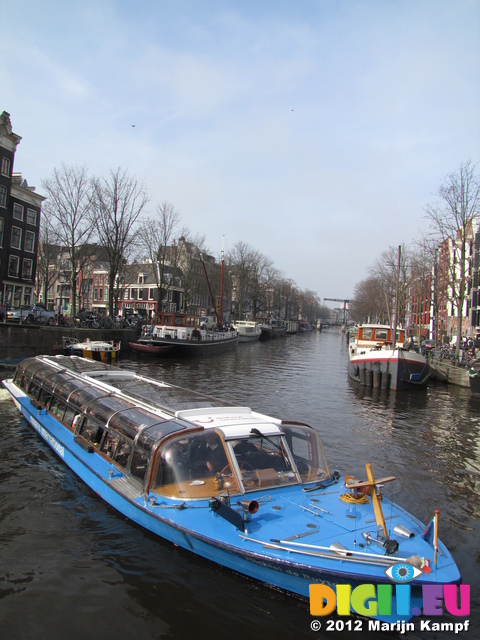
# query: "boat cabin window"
[[81, 398], [57, 407], [69, 416], [366, 334], [51, 380], [195, 466], [307, 451], [263, 461], [150, 436], [139, 464], [116, 448], [92, 431], [131, 421], [104, 407], [381, 334], [64, 390]]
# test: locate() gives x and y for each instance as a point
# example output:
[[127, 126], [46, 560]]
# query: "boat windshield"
[[263, 461], [193, 466], [307, 451]]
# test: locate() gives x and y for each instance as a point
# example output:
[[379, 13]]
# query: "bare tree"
[[117, 203], [369, 301], [452, 218], [392, 282], [68, 208], [158, 239], [48, 267]]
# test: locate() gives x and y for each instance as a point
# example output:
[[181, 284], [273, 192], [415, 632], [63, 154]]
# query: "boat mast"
[[395, 318], [210, 290], [221, 284]]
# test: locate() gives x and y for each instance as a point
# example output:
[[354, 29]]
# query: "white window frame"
[[11, 260], [18, 211], [19, 245], [27, 235], [32, 214]]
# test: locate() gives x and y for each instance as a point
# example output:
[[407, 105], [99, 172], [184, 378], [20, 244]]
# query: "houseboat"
[[377, 358], [183, 334], [248, 331], [248, 491]]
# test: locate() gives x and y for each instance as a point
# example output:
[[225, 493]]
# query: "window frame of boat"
[[262, 476], [318, 456], [381, 334], [203, 486]]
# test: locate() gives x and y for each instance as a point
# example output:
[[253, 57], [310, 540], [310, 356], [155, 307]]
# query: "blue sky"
[[316, 131]]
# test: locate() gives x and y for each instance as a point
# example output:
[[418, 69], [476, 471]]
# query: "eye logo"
[[402, 572]]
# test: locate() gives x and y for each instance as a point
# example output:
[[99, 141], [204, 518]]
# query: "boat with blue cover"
[[248, 491]]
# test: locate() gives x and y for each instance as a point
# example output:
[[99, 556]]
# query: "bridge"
[[345, 302]]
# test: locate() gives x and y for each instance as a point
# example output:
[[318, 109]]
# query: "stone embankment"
[[18, 342], [443, 371]]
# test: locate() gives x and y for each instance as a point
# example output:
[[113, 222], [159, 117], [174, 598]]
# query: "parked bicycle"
[[87, 319]]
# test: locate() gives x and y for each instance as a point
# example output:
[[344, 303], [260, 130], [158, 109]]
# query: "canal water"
[[73, 569]]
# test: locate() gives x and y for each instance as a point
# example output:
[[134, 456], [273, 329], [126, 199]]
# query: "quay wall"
[[446, 372], [20, 341]]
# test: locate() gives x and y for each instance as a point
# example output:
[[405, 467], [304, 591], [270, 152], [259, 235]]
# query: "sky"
[[314, 131]]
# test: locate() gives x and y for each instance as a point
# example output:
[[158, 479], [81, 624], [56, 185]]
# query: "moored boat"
[[248, 491], [152, 349], [182, 334], [248, 331], [102, 350], [377, 358], [474, 377], [273, 329]]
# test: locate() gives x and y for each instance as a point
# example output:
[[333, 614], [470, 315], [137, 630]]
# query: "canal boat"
[[248, 331], [151, 349], [273, 329], [474, 377], [248, 491], [102, 350], [183, 335], [377, 358]]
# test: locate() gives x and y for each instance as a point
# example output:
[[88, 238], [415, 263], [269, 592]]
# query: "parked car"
[[32, 314]]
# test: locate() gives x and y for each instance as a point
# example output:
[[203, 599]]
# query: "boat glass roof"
[[105, 407], [167, 397]]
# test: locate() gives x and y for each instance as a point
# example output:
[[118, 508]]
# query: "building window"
[[27, 269], [31, 216], [95, 294], [150, 293], [29, 241], [2, 226], [6, 167], [3, 196], [126, 295], [134, 294], [100, 294], [27, 296], [16, 239], [18, 211], [13, 266]]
